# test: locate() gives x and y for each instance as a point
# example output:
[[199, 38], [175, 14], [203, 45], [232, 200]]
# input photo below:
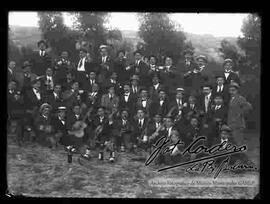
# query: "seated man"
[[55, 99], [44, 127], [110, 100], [93, 98], [60, 126], [122, 130]]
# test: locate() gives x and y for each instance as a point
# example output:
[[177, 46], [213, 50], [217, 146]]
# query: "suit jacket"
[[237, 109], [15, 106], [61, 68], [136, 95], [45, 84], [137, 128], [118, 125], [142, 71], [130, 104], [54, 102], [58, 125], [31, 100], [40, 64], [232, 76], [174, 108], [93, 101], [102, 72], [221, 113], [225, 93], [153, 93], [109, 103], [201, 102], [140, 105], [157, 108], [170, 79], [120, 69], [71, 119], [117, 86]]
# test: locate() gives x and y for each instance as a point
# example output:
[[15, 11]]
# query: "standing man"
[[238, 107], [63, 66], [105, 64], [229, 74], [41, 59], [120, 65]]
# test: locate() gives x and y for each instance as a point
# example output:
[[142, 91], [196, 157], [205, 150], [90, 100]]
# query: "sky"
[[217, 24]]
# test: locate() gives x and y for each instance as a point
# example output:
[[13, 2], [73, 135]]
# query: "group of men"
[[111, 105]]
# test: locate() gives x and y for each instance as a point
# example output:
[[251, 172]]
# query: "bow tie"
[[227, 71], [144, 100], [126, 94]]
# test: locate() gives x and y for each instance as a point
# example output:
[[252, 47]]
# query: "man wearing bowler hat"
[[228, 74], [41, 59]]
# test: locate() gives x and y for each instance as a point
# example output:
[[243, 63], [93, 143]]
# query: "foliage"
[[160, 36], [251, 42]]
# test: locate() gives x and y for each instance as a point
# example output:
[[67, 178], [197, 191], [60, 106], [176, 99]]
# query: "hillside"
[[204, 44]]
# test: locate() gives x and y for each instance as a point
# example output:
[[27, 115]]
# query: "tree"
[[57, 35], [228, 50], [160, 36], [251, 42], [91, 27]]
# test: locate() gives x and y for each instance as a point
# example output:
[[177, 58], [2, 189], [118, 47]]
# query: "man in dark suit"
[[155, 88], [93, 98], [144, 102], [105, 64], [83, 68], [122, 130], [206, 99], [229, 74], [11, 70], [63, 66], [91, 81], [59, 123], [140, 123], [221, 89], [135, 87], [153, 69], [110, 100], [188, 64], [127, 100], [41, 59], [120, 65], [113, 80], [27, 77], [177, 104], [169, 76], [140, 69], [48, 81], [55, 99], [160, 105], [67, 81]]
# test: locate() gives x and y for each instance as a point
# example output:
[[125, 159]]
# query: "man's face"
[[191, 100], [57, 89], [62, 114], [126, 88], [162, 95], [103, 52], [224, 135], [140, 114], [168, 61], [12, 64], [100, 112], [201, 62], [168, 122], [124, 115], [155, 80], [206, 90], [111, 90], [179, 95], [42, 46], [114, 76], [37, 85], [144, 94], [152, 60], [138, 56], [12, 85], [188, 57], [194, 122], [218, 101], [82, 54], [220, 81], [157, 118], [49, 72], [46, 111], [233, 91], [77, 110], [75, 85], [95, 87], [174, 136], [64, 54], [27, 70], [92, 75], [134, 82], [121, 55], [228, 66]]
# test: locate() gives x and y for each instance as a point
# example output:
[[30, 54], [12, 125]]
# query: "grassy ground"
[[41, 172]]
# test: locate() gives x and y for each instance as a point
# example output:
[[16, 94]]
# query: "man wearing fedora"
[[237, 109], [41, 59]]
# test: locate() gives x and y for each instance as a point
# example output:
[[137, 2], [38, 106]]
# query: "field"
[[35, 171]]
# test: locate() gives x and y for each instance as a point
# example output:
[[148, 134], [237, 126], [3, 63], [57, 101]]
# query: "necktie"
[[206, 103], [192, 106]]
